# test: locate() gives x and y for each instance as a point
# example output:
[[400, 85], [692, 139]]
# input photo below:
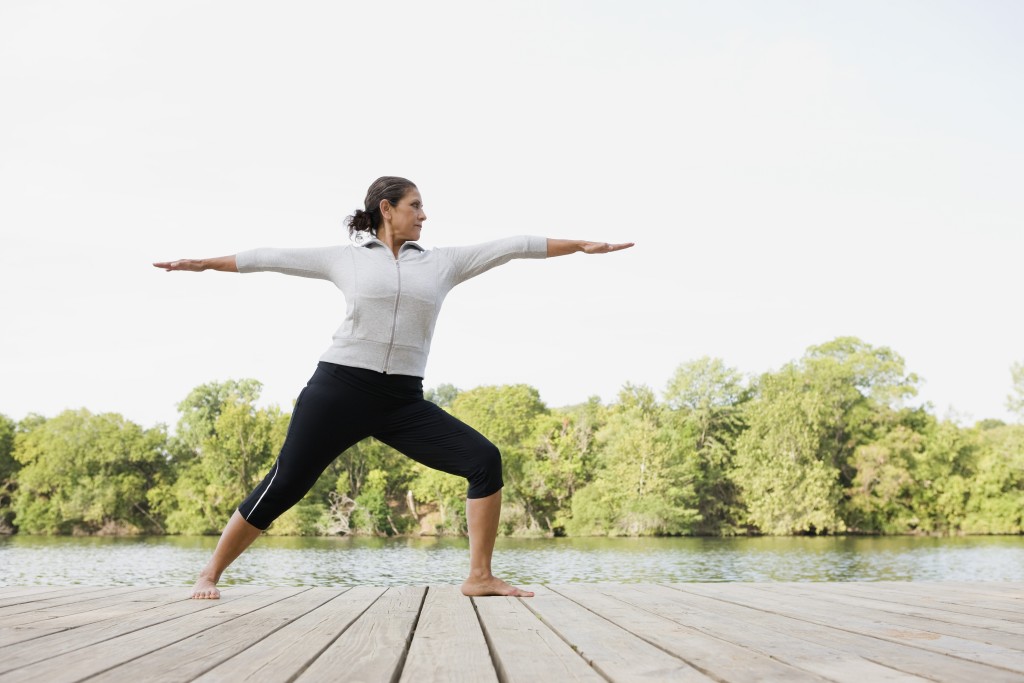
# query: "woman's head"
[[384, 193]]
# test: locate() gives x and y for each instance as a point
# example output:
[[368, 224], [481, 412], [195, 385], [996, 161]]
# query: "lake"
[[277, 561]]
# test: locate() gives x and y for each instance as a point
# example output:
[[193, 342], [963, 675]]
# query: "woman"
[[369, 382]]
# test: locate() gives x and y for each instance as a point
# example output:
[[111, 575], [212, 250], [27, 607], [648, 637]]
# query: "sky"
[[791, 172]]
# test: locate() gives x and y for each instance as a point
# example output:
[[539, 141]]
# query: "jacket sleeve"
[[316, 262], [472, 260]]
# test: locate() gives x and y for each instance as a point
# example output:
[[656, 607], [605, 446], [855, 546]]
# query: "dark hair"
[[391, 188]]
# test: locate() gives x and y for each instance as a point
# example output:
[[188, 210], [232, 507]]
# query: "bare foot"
[[492, 586], [205, 589]]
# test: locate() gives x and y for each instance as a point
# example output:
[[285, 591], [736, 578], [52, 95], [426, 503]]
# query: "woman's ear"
[[385, 208]]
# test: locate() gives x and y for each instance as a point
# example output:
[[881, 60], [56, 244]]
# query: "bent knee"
[[486, 477]]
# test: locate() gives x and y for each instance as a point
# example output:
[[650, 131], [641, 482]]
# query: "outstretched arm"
[[563, 247], [225, 263]]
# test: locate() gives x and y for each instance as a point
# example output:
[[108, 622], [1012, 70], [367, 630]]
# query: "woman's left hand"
[[563, 247], [603, 247]]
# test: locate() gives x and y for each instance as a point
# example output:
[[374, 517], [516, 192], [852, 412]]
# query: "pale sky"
[[790, 171]]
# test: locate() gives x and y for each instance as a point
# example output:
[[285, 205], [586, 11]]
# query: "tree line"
[[825, 445]]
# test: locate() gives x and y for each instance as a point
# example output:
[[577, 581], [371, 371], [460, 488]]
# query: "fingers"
[[605, 247], [180, 264]]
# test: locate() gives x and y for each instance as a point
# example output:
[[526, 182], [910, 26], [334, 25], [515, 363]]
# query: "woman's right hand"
[[194, 265]]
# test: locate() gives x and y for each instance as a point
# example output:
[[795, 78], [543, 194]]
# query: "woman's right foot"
[[205, 589]]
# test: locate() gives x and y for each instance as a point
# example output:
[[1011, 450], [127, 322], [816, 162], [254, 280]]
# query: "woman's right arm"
[[322, 263], [224, 263]]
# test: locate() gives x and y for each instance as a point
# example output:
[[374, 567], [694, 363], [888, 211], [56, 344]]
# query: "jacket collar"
[[374, 241]]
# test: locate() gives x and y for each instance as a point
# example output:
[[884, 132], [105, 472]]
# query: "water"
[[275, 561]]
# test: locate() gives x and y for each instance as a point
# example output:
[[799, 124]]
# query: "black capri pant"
[[341, 406]]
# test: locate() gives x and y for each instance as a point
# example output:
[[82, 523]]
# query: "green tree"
[[225, 446], [788, 487], [881, 496], [707, 399], [943, 471], [372, 514], [996, 501], [507, 415], [794, 463], [563, 461], [8, 473], [446, 493], [87, 473], [643, 486]]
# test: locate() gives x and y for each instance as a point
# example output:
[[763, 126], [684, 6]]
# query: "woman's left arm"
[[563, 247]]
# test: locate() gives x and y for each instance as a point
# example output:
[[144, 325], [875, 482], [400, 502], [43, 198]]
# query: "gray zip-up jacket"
[[392, 304]]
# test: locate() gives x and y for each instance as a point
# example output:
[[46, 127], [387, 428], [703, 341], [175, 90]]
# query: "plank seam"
[[139, 656], [889, 641], [38, 597], [266, 635], [92, 644], [563, 638], [756, 649], [408, 638], [886, 608], [102, 599], [704, 671], [809, 640], [316, 656], [940, 606], [499, 668]]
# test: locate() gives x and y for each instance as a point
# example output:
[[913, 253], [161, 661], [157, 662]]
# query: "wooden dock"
[[861, 632]]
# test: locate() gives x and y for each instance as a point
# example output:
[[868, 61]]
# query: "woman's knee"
[[486, 477]]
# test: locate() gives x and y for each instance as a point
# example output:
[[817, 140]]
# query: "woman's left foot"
[[492, 586]]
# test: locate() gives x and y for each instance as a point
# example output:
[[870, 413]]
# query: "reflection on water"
[[272, 561]]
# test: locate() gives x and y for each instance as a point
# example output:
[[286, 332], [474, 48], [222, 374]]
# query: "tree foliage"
[[643, 486], [225, 446], [8, 473], [826, 444], [87, 473]]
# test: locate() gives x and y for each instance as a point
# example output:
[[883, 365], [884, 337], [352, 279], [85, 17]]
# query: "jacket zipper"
[[394, 319]]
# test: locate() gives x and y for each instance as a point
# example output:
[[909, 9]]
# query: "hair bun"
[[360, 221]]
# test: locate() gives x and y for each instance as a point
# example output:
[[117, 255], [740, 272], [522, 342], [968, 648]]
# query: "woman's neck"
[[384, 235]]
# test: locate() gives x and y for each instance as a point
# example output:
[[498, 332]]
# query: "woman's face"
[[406, 217]]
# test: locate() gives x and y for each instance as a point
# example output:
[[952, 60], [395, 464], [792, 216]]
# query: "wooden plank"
[[81, 662], [20, 633], [904, 650], [839, 595], [37, 594], [760, 611], [449, 644], [943, 597], [374, 647], [190, 657], [7, 591], [999, 589], [23, 645], [524, 649], [614, 652], [1007, 594], [64, 606], [691, 640], [29, 590], [870, 611], [291, 649], [774, 639]]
